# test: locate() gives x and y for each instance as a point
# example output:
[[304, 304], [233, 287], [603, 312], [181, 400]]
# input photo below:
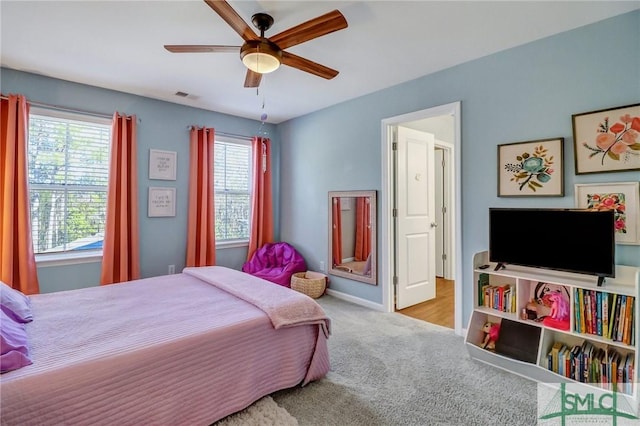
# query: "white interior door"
[[415, 218]]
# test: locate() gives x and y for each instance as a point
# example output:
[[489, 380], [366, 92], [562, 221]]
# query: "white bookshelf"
[[522, 282]]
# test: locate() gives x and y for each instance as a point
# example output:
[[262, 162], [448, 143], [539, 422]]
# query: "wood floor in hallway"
[[436, 311]]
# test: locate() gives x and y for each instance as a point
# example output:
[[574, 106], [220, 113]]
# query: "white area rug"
[[264, 412]]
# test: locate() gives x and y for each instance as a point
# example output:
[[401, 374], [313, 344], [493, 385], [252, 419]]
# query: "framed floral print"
[[607, 140], [621, 197], [531, 168]]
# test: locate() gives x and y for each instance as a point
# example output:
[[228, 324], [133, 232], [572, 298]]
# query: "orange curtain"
[[201, 235], [336, 232], [363, 228], [121, 252], [17, 261], [261, 197]]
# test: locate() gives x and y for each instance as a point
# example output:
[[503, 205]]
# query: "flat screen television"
[[580, 241]]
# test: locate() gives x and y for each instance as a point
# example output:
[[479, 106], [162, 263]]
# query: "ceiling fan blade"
[[303, 64], [317, 27], [232, 18], [252, 79], [200, 48]]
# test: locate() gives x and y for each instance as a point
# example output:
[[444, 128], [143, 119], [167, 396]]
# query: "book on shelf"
[[499, 297], [576, 308], [626, 336], [622, 319], [621, 314], [555, 350], [599, 313], [575, 362], [614, 359], [611, 316], [615, 306], [483, 283], [582, 317], [587, 302], [604, 367], [605, 314]]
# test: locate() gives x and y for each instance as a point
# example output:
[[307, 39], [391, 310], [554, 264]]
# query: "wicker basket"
[[312, 287]]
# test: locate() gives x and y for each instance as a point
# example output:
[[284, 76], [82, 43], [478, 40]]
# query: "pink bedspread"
[[166, 350]]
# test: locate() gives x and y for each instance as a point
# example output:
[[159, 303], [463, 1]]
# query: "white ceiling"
[[119, 45]]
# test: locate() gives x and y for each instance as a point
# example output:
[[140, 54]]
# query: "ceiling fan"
[[262, 55]]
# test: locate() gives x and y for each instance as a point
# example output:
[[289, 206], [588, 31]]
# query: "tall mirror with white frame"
[[352, 235]]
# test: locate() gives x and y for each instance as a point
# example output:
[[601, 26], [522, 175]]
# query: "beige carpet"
[[264, 412], [391, 370]]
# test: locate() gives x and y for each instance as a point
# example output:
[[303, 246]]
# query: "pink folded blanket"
[[283, 306]]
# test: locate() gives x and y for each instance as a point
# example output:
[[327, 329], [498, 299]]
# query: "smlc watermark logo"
[[576, 404]]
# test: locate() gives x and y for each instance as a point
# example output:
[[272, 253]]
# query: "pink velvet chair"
[[275, 262]]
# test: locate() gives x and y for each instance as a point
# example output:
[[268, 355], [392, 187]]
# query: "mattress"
[[177, 349]]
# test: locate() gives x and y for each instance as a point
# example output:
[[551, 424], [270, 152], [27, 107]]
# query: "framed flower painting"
[[621, 197], [531, 168], [607, 140]]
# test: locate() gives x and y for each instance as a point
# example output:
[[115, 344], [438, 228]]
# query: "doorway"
[[444, 123]]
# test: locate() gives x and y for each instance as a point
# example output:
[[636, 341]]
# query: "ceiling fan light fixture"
[[261, 56]]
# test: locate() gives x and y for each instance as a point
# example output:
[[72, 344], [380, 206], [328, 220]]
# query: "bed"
[[189, 348]]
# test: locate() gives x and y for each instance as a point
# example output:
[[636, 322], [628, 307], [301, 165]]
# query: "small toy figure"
[[491, 331], [559, 315], [532, 310]]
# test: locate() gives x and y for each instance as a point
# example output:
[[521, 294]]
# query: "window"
[[232, 188], [68, 163]]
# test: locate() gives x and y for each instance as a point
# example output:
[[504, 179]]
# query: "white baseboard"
[[358, 301], [371, 305]]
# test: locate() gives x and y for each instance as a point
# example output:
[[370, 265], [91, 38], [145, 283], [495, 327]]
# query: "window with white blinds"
[[68, 163], [232, 186]]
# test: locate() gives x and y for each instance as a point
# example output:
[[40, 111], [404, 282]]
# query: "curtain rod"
[[61, 108]]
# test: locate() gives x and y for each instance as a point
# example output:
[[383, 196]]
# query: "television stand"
[[539, 340], [499, 266]]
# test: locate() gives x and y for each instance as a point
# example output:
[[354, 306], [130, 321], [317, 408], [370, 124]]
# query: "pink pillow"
[[14, 350], [15, 303]]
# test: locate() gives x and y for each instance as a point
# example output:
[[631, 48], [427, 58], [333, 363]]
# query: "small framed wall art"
[[162, 202], [531, 169], [162, 164], [607, 140], [621, 197]]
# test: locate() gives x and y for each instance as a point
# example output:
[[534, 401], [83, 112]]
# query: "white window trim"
[[225, 244], [69, 257], [231, 244], [82, 118]]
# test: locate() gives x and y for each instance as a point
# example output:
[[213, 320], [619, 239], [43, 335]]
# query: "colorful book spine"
[[621, 316], [599, 313], [628, 320], [582, 314], [483, 282], [576, 310], [587, 302], [613, 320], [605, 314], [594, 314]]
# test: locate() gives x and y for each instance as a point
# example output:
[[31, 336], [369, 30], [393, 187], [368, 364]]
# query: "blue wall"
[[525, 93], [163, 126]]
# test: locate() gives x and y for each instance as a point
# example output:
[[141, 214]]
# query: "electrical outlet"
[[172, 269], [322, 266]]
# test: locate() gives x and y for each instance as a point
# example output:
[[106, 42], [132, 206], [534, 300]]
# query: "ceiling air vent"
[[181, 94]]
